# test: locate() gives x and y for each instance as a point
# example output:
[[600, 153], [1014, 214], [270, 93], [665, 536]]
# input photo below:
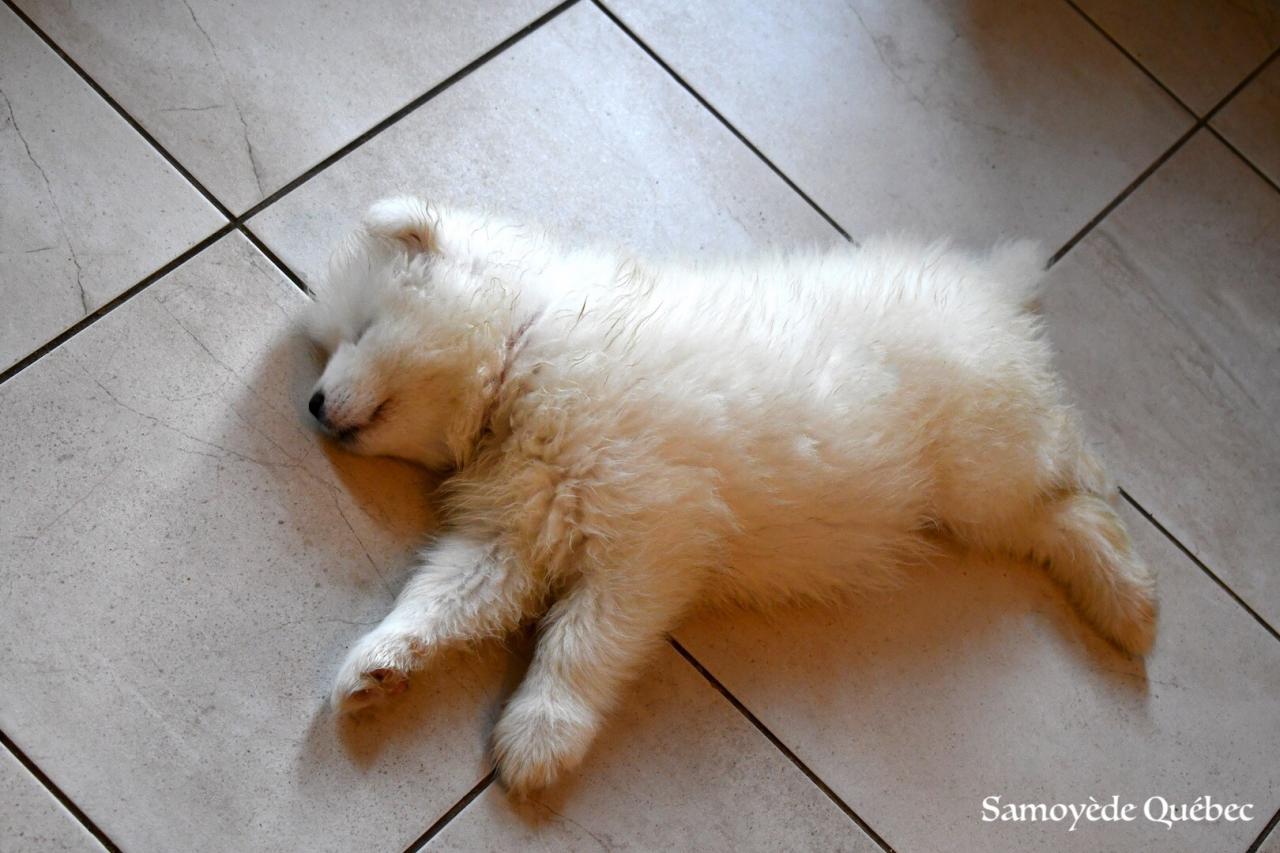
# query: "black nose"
[[317, 405]]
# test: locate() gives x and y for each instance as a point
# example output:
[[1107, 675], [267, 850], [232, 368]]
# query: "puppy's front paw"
[[376, 667], [536, 741]]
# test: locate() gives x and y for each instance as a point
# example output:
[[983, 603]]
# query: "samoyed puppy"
[[630, 438]]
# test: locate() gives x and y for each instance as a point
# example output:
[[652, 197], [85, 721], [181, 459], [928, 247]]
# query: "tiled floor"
[[183, 562]]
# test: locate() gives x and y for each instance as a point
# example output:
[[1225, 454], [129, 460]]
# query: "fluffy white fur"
[[630, 438]]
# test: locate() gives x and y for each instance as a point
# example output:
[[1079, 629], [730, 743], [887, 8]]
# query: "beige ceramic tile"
[[1198, 48], [248, 95], [31, 820], [182, 565], [1251, 121], [87, 208], [976, 680], [573, 128], [1167, 319], [972, 118], [676, 768]]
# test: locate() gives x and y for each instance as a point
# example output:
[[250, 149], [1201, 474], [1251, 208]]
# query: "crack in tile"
[[84, 301], [235, 376], [314, 620], [235, 103], [77, 502], [171, 428], [333, 494], [878, 45], [192, 109], [956, 112], [1141, 678], [606, 843], [162, 303], [259, 431], [128, 687], [53, 199], [958, 115], [1114, 255]]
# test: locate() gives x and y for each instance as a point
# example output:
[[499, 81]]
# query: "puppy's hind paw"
[[535, 743], [1132, 626], [378, 666]]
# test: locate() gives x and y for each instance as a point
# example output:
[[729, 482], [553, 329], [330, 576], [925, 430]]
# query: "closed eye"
[[320, 350]]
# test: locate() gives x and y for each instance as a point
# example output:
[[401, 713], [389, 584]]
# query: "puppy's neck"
[[512, 346]]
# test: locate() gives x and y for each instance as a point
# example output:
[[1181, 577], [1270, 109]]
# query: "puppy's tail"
[[1016, 269]]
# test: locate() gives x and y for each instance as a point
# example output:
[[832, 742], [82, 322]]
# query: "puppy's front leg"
[[466, 588], [591, 642]]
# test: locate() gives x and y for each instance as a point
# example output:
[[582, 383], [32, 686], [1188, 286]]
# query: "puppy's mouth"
[[349, 435]]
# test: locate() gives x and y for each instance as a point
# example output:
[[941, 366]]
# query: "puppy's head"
[[410, 350]]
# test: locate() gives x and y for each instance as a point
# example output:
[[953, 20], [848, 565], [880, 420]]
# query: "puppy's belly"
[[820, 548]]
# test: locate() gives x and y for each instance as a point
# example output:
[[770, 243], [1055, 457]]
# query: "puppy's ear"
[[405, 220]]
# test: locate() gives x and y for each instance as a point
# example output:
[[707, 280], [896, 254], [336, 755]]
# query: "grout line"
[[432, 831], [1236, 89], [1222, 102], [121, 111], [1262, 836], [89, 319], [273, 257], [1144, 69], [332, 158], [1236, 151], [779, 745], [719, 117], [58, 794], [403, 111], [1124, 194], [1202, 122], [1187, 551]]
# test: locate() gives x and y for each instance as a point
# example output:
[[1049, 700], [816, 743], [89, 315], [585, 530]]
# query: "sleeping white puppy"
[[630, 438]]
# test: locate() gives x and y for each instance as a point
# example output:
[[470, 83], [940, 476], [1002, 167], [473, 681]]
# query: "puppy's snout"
[[316, 406]]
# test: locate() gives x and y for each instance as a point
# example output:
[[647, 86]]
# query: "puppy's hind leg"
[[465, 589], [1085, 547]]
